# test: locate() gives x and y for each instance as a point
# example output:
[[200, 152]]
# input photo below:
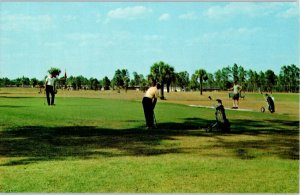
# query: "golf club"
[[44, 97], [154, 120]]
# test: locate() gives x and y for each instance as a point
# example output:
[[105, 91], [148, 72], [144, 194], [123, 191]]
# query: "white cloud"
[[164, 17], [233, 9], [128, 12], [21, 22], [230, 10], [188, 16]]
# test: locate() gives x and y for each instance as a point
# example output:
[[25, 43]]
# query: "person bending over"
[[149, 102]]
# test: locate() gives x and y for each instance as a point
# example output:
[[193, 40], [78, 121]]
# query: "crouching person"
[[149, 102]]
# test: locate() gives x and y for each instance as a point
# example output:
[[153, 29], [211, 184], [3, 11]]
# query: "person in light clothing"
[[149, 102], [236, 95], [50, 88]]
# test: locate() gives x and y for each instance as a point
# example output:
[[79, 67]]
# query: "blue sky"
[[96, 38]]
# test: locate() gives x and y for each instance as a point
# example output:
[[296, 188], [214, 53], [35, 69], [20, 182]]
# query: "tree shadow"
[[270, 126], [32, 144], [280, 138], [11, 106], [17, 97], [38, 143]]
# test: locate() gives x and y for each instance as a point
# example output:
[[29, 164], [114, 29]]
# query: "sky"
[[94, 39]]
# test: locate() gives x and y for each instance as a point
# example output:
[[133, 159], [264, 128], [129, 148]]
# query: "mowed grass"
[[96, 142]]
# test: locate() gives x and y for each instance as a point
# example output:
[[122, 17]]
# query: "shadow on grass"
[[31, 144], [11, 106], [280, 138], [17, 97], [38, 143]]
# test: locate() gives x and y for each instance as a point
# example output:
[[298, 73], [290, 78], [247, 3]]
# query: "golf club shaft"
[[154, 119]]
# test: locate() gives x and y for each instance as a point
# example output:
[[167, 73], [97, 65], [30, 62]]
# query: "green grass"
[[99, 144]]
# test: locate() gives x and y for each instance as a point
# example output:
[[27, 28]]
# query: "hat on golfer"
[[219, 101]]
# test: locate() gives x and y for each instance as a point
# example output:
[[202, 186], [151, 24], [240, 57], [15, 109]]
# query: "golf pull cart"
[[270, 104], [222, 124]]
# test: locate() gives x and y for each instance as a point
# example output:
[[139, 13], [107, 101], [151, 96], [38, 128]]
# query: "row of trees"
[[222, 79]]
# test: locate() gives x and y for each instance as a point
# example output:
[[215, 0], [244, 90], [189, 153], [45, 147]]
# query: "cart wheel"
[[209, 128], [262, 109]]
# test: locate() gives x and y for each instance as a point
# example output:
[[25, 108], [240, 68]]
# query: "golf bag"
[[222, 123], [271, 104]]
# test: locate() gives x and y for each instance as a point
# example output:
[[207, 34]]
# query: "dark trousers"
[[148, 111], [50, 90]]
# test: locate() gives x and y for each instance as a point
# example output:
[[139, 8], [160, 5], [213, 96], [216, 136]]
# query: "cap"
[[219, 101]]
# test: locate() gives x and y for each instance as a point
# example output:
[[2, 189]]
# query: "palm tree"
[[182, 79], [170, 76], [202, 75], [160, 72]]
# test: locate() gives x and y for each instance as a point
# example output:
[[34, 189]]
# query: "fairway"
[[96, 141]]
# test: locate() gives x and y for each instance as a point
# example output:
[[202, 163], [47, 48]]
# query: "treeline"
[[222, 79]]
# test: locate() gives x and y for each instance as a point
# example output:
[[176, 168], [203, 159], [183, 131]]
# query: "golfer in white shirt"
[[50, 88]]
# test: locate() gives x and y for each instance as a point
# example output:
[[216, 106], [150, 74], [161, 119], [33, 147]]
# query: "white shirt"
[[236, 89], [50, 81]]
